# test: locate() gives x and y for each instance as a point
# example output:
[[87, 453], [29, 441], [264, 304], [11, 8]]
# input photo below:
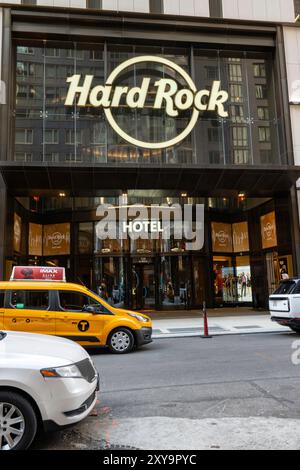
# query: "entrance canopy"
[[82, 180]]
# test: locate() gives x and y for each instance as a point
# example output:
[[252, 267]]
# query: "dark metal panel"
[[48, 22], [83, 180], [44, 30]]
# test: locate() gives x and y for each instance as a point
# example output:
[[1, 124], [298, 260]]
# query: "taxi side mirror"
[[89, 309]]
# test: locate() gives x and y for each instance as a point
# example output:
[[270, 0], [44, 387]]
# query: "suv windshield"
[[286, 287]]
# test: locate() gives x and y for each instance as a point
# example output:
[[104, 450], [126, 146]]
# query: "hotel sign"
[[169, 97]]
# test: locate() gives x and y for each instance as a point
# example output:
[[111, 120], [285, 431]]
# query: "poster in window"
[[17, 232], [85, 239], [35, 240], [268, 230], [57, 239], [240, 235], [221, 237]]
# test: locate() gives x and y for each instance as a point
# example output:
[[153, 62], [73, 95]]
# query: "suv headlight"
[[139, 317], [70, 371]]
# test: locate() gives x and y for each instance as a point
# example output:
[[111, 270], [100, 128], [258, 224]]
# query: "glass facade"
[[48, 131], [76, 146]]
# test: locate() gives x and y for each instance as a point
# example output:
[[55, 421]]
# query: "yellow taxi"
[[55, 307]]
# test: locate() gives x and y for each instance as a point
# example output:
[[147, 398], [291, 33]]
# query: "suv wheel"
[[18, 422], [121, 341]]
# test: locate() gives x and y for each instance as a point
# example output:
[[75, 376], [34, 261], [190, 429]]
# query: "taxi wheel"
[[121, 341]]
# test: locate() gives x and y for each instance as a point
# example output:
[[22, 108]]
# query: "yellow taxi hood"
[[121, 311]]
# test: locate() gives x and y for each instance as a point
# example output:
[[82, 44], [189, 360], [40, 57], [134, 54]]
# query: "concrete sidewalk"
[[218, 325]]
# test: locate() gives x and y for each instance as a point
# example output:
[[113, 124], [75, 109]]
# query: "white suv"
[[43, 380], [284, 304]]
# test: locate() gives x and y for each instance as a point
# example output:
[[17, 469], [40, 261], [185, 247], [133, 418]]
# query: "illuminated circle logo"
[[166, 95], [150, 145], [57, 238], [83, 326], [269, 229]]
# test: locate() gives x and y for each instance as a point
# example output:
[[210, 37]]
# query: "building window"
[[96, 55], [71, 157], [263, 113], [28, 2], [25, 50], [297, 9], [240, 136], [212, 72], [156, 6], [215, 8], [261, 92], [235, 72], [241, 157], [236, 93], [214, 135], [51, 52], [265, 156], [264, 134], [214, 157], [23, 157], [51, 157], [94, 4], [237, 113], [24, 136], [25, 69], [259, 70], [70, 137], [51, 136]]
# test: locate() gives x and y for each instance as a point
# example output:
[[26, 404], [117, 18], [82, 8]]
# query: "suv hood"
[[45, 351]]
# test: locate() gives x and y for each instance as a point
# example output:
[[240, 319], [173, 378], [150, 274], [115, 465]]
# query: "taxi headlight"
[[139, 317], [70, 371]]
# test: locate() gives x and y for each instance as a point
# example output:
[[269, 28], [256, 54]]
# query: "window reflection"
[[56, 133]]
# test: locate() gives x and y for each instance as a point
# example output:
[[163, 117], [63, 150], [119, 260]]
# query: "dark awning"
[[82, 180]]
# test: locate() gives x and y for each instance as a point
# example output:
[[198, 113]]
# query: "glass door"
[[143, 286]]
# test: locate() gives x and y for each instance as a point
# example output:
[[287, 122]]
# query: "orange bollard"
[[205, 318]]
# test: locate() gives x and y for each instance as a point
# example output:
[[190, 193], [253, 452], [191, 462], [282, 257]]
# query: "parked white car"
[[284, 304], [44, 380]]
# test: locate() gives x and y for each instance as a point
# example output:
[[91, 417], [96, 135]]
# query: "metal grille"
[[87, 370]]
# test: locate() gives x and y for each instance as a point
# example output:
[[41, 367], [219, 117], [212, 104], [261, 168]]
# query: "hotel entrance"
[[246, 252]]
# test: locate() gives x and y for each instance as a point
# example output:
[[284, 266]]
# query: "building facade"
[[62, 156]]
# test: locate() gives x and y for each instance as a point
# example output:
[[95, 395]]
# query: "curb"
[[227, 333]]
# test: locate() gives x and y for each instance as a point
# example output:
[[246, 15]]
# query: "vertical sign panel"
[[268, 230]]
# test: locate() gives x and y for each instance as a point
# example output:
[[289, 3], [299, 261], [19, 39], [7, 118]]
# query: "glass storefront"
[[232, 280], [241, 244]]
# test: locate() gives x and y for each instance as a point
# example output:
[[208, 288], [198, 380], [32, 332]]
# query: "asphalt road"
[[226, 392]]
